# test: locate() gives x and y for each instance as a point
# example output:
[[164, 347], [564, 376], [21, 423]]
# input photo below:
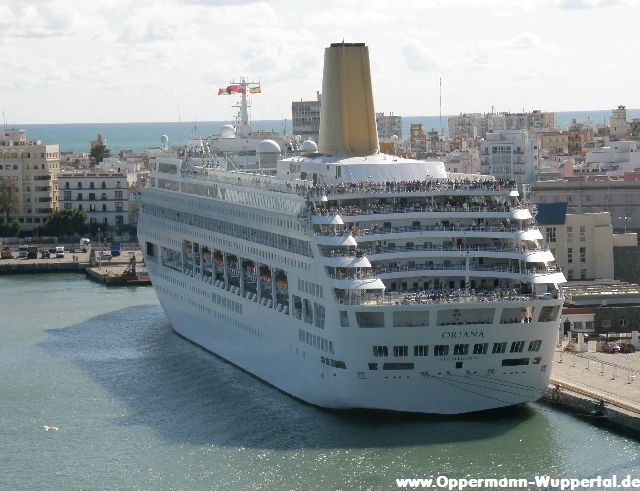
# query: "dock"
[[105, 272], [110, 272], [51, 265], [599, 384]]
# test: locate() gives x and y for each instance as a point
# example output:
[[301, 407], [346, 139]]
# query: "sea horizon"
[[138, 136]]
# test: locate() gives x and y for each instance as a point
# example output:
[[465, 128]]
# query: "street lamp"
[[625, 222]]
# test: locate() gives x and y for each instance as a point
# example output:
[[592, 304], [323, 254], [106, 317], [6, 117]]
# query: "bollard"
[[601, 368], [613, 376], [630, 378]]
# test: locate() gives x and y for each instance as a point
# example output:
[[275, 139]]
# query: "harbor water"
[[137, 407]]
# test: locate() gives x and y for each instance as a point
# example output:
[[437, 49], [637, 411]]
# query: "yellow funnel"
[[347, 117]]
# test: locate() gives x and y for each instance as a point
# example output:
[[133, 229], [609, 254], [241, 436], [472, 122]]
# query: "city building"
[[577, 319], [553, 142], [579, 136], [615, 304], [306, 118], [512, 154], [581, 243], [389, 126], [33, 167], [535, 119], [477, 125], [418, 138], [468, 126], [620, 196], [616, 158], [102, 195], [618, 126]]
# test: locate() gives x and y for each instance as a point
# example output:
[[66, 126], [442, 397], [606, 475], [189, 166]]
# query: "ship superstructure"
[[356, 281]]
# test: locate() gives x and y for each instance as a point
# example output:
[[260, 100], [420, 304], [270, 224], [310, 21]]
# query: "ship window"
[[151, 249], [400, 351], [344, 319], [480, 348], [537, 360], [535, 345], [373, 366], [460, 349], [307, 311], [513, 362], [499, 347], [319, 315], [370, 319], [517, 347], [440, 350], [380, 351], [548, 313], [397, 366], [421, 350]]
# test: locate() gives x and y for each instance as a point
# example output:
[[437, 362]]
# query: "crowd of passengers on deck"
[[407, 186], [464, 295], [385, 208]]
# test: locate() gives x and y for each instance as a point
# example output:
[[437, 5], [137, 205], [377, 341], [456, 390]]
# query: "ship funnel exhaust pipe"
[[347, 116]]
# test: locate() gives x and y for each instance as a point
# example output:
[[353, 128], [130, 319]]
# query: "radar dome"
[[308, 146], [227, 131], [164, 139], [268, 146]]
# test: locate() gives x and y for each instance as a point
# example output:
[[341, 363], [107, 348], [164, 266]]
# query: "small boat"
[[139, 279]]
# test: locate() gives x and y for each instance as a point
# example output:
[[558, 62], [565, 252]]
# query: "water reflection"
[[189, 396]]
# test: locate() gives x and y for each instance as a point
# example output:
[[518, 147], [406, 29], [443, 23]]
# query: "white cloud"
[[419, 57], [145, 56], [588, 4]]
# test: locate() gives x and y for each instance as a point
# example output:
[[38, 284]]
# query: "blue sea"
[[138, 136]]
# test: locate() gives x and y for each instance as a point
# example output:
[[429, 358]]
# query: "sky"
[[75, 61]]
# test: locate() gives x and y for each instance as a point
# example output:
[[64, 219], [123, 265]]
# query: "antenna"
[[440, 102], [4, 120]]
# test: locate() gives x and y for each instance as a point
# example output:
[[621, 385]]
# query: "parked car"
[[60, 252], [627, 348], [611, 347], [105, 256]]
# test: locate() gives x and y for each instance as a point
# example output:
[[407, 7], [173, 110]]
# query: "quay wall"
[[11, 267], [575, 400]]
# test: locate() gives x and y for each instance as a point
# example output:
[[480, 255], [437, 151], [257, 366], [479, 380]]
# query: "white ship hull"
[[265, 344]]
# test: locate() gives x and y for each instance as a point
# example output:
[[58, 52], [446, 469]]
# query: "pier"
[[598, 384], [108, 272]]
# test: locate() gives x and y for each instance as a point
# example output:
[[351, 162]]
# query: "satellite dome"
[[164, 139], [227, 131], [268, 146], [308, 146]]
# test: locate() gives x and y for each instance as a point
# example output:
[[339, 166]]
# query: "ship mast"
[[243, 128]]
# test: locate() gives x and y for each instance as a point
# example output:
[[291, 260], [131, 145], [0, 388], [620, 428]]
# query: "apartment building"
[[306, 118], [513, 154], [103, 196], [389, 126], [33, 167], [477, 125]]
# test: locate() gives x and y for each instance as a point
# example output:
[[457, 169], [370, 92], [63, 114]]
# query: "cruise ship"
[[351, 279]]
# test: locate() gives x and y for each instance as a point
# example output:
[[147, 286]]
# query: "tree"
[[65, 222], [9, 199], [10, 229], [99, 152]]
